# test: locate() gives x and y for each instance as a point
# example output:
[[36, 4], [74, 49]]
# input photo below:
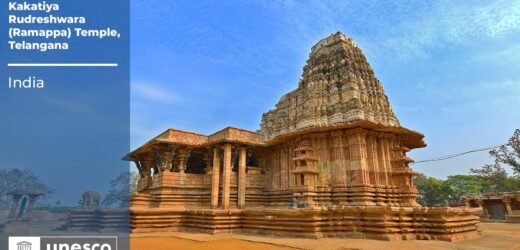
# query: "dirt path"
[[173, 243], [494, 236]]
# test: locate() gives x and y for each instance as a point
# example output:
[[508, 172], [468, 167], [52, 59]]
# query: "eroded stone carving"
[[90, 199], [338, 86]]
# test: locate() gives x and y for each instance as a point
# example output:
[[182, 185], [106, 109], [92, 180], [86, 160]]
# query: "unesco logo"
[[63, 243], [24, 245]]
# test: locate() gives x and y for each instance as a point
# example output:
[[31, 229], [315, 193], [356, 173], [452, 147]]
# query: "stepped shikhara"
[[338, 87], [329, 161]]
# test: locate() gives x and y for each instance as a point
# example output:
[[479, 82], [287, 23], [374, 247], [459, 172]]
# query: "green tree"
[[431, 191], [458, 185], [509, 154], [512, 183], [493, 178], [14, 179], [121, 188]]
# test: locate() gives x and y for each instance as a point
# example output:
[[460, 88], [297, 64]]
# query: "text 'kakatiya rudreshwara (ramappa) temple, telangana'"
[[329, 161]]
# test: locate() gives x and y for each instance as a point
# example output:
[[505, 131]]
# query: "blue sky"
[[450, 69]]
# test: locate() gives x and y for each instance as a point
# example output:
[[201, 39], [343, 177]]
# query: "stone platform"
[[383, 223], [98, 220]]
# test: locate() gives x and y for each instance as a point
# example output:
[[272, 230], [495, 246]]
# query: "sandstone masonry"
[[328, 161]]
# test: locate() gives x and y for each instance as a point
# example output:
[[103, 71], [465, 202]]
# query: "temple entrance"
[[496, 211], [21, 209], [196, 164], [23, 203]]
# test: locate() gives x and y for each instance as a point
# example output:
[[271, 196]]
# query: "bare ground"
[[494, 236]]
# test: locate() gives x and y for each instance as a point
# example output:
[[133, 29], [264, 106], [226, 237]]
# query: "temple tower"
[[338, 86], [342, 115]]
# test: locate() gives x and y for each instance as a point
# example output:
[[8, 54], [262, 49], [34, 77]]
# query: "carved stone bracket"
[[182, 157], [139, 166]]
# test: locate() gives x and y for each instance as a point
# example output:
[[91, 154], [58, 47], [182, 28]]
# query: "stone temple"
[[328, 161]]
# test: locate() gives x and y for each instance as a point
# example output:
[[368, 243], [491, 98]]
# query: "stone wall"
[[183, 190], [356, 166]]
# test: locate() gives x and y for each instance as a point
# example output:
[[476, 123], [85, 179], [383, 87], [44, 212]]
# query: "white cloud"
[[69, 105], [452, 23], [148, 102], [402, 30], [153, 92], [507, 56]]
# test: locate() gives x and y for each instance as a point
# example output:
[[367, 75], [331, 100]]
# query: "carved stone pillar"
[[373, 163], [284, 169], [381, 157], [388, 158], [339, 168], [507, 203], [183, 159], [207, 160], [358, 156], [242, 178], [374, 168], [142, 175], [155, 166], [215, 178], [139, 167], [146, 179], [14, 206], [481, 206], [234, 158], [32, 201], [359, 164], [159, 159], [167, 157], [163, 161], [389, 142], [226, 181]]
